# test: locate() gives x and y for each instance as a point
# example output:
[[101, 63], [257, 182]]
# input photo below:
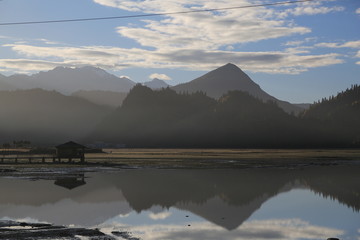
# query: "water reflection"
[[217, 204], [71, 182]]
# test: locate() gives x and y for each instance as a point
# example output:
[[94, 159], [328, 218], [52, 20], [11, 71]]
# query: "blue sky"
[[298, 52]]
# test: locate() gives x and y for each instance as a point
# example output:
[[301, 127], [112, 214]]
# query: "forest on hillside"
[[164, 118]]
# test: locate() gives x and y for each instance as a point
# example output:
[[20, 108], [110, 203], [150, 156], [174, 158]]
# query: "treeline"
[[164, 118], [339, 115]]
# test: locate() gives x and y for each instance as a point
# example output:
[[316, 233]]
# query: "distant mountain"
[[46, 117], [156, 84], [103, 98], [4, 85], [228, 78], [69, 80]]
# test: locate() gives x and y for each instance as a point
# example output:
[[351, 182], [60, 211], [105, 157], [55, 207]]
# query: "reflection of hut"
[[70, 150], [70, 182]]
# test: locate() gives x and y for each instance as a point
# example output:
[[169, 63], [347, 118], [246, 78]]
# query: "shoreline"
[[197, 159]]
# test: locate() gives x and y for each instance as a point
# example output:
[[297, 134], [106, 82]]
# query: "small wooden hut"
[[70, 150]]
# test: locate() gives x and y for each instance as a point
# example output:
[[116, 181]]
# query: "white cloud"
[[189, 41], [49, 42], [205, 30], [294, 43], [160, 76], [358, 54], [124, 76], [358, 11], [26, 65], [310, 8], [119, 58], [351, 44]]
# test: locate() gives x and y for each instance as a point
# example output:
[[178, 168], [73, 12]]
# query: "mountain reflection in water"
[[226, 198]]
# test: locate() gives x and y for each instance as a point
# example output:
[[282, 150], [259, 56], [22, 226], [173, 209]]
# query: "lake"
[[260, 203]]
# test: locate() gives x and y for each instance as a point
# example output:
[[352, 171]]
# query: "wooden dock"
[[37, 160]]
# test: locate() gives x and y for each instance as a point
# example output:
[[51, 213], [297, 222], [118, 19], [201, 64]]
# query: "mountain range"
[[165, 118], [46, 117], [69, 80], [72, 80], [144, 117]]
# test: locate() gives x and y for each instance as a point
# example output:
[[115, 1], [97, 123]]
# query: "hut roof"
[[70, 144]]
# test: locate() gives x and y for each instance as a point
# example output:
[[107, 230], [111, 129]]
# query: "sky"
[[298, 52]]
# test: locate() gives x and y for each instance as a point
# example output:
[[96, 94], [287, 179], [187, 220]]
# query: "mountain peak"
[[231, 65], [221, 80], [227, 78], [156, 84]]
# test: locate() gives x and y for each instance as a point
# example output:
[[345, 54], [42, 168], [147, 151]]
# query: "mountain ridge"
[[229, 77], [69, 80], [46, 117]]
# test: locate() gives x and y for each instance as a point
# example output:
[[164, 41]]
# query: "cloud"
[[294, 43], [358, 11], [309, 8], [193, 41], [124, 76], [160, 76], [27, 64], [358, 56], [202, 30], [118, 58], [351, 44]]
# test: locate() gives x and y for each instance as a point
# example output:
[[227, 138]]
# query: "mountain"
[[151, 118], [46, 117], [4, 85], [69, 80], [103, 98], [227, 78], [156, 84]]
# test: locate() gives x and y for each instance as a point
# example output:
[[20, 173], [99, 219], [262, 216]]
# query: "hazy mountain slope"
[[20, 81], [156, 84], [304, 106], [103, 98], [156, 118], [69, 80], [339, 114], [164, 118], [227, 78], [4, 85], [46, 117]]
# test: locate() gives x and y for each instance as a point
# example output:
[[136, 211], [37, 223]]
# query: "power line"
[[151, 14]]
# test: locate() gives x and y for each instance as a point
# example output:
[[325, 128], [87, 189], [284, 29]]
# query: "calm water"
[[196, 204]]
